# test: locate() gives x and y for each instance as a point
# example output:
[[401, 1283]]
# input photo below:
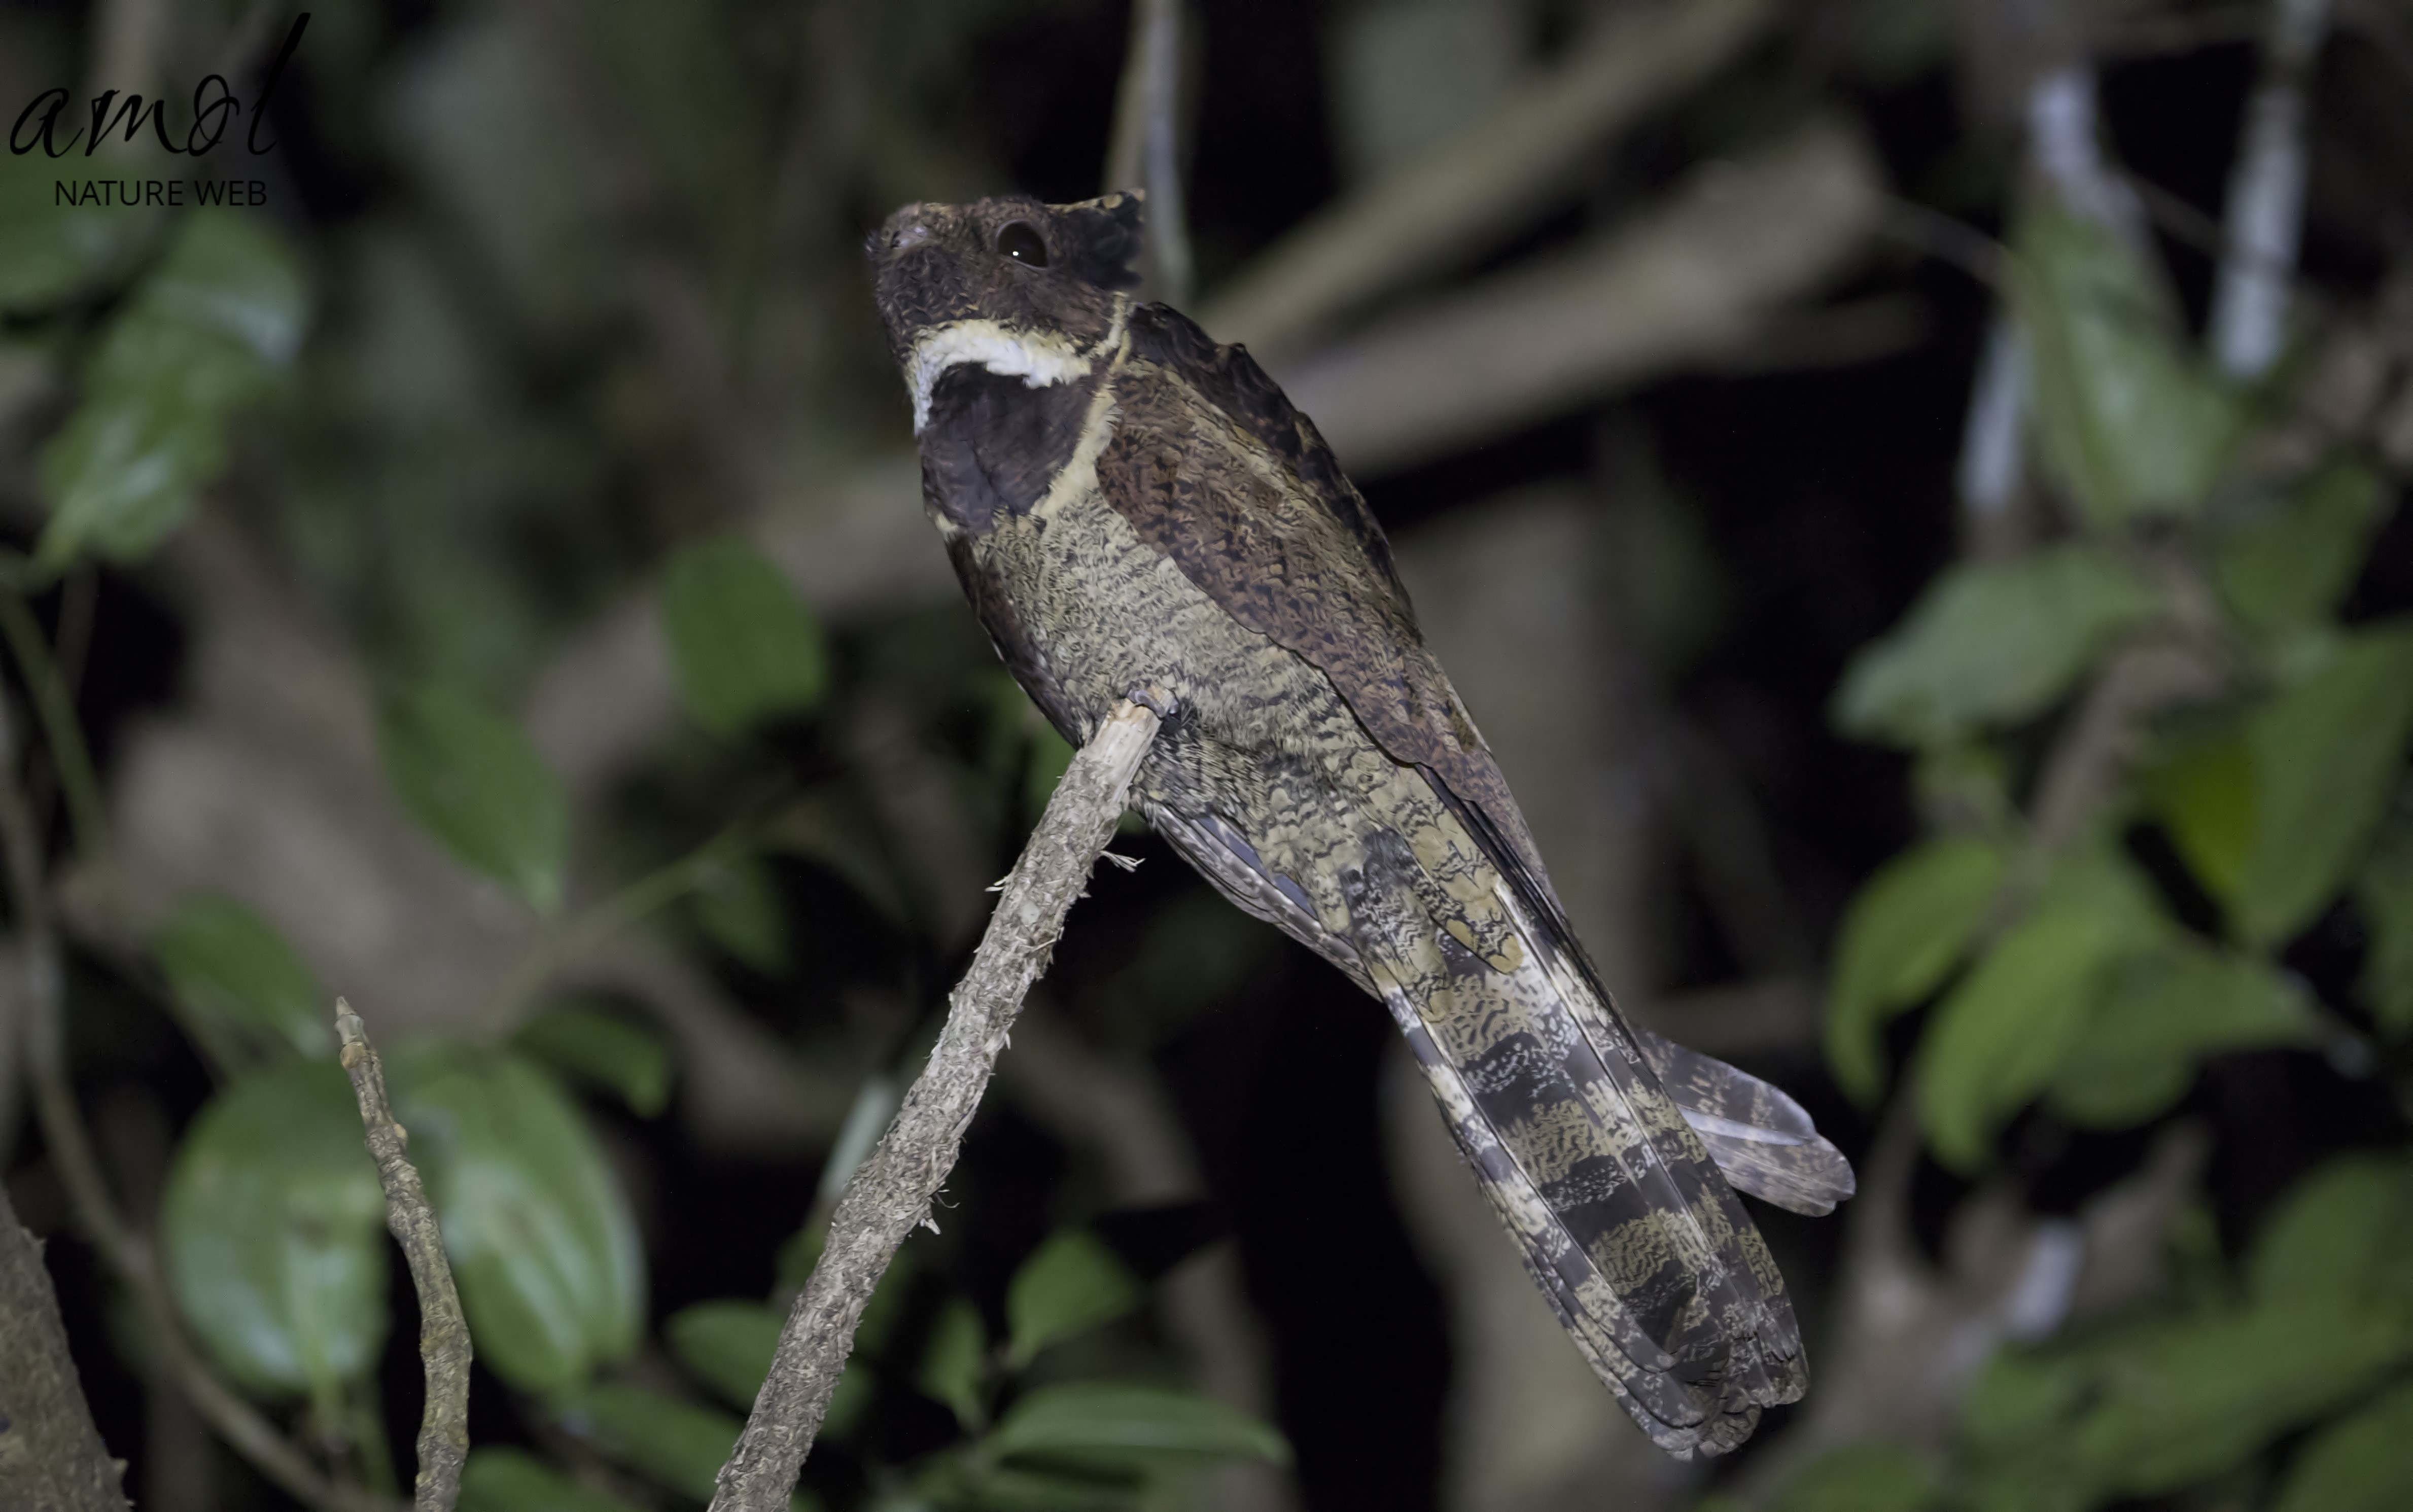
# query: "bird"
[[1135, 510]]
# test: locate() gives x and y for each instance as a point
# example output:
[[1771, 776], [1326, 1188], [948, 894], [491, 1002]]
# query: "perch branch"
[[892, 1189], [443, 1331]]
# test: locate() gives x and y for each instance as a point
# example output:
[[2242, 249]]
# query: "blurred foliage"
[[2062, 969], [472, 779], [543, 327], [273, 1227]]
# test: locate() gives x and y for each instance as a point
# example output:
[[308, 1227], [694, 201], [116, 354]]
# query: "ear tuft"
[[1102, 238]]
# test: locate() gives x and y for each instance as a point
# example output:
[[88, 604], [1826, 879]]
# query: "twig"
[[121, 1245], [2144, 36], [1146, 151], [1428, 216], [893, 1190], [2090, 759], [443, 1331], [128, 37], [55, 1458], [2067, 152], [2063, 152], [54, 706], [1693, 278], [563, 943], [1993, 444]]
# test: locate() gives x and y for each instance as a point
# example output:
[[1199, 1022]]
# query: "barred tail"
[[1601, 1148], [1626, 1224]]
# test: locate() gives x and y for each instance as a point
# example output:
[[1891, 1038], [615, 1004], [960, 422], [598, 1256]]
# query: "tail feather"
[[1627, 1226], [1761, 1140], [1602, 1176]]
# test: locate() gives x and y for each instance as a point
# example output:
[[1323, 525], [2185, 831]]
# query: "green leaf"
[[739, 906], [679, 1444], [1072, 1284], [975, 1483], [2161, 1010], [1142, 1427], [604, 1049], [2021, 1399], [50, 252], [2287, 567], [2345, 1233], [541, 1238], [202, 333], [2194, 1399], [2359, 1465], [229, 274], [953, 1361], [1862, 1478], [473, 781], [728, 1344], [274, 1232], [2130, 424], [2384, 894], [1990, 642], [2016, 1429], [2000, 1035], [746, 647], [1906, 929], [2204, 797], [2327, 754], [120, 475], [513, 1480], [226, 964]]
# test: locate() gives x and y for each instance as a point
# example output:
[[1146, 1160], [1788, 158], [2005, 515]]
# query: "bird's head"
[[1009, 283]]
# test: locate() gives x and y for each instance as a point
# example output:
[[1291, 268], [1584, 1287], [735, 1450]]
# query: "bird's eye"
[[1020, 241]]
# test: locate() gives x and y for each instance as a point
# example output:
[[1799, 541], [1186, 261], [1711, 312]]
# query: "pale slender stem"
[[1993, 444], [890, 1192], [2266, 199], [1144, 152], [2063, 144], [443, 1330]]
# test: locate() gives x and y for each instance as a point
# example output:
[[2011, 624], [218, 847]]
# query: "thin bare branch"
[[1690, 280], [443, 1331], [1428, 216], [1145, 149], [893, 1189], [2266, 197], [54, 706]]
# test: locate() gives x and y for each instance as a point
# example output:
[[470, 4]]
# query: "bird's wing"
[[1651, 1262], [1275, 532], [1261, 519]]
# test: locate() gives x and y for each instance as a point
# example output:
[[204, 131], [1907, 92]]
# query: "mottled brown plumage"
[[1132, 507]]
